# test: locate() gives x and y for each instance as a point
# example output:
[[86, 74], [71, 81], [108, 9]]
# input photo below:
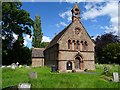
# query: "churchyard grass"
[[47, 79]]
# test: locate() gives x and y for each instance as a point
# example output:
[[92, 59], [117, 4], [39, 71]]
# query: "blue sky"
[[97, 17]]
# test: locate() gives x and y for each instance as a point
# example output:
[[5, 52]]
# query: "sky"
[[97, 17]]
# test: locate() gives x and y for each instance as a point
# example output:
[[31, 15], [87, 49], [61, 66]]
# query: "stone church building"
[[72, 48]]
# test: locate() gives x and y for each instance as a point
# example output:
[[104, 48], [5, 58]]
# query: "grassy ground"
[[46, 79]]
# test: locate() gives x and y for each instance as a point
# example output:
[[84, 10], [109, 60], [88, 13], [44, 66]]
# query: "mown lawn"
[[47, 79]]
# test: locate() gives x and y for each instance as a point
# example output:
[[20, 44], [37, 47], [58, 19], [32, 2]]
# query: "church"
[[72, 48]]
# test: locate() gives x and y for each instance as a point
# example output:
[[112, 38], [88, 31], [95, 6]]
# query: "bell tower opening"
[[75, 12]]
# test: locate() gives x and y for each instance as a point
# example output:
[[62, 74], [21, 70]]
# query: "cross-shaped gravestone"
[[115, 77], [32, 75]]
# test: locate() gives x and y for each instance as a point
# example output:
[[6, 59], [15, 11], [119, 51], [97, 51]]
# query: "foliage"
[[19, 54], [46, 79], [37, 36], [14, 21], [112, 53], [101, 42], [44, 44]]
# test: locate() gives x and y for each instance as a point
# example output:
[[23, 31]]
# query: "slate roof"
[[38, 52], [57, 37]]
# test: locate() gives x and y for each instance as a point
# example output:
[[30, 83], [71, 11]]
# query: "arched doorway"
[[78, 63]]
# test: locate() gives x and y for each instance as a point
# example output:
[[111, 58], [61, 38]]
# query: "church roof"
[[38, 52], [57, 37]]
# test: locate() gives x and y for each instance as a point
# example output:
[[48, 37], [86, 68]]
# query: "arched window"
[[77, 44], [69, 65], [85, 45], [69, 44], [74, 44], [82, 42], [81, 45]]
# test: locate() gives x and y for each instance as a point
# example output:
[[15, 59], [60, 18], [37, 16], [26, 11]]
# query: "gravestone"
[[53, 68], [105, 69], [3, 66], [27, 67], [13, 66], [20, 66], [17, 63], [24, 86], [115, 77], [32, 75], [9, 66]]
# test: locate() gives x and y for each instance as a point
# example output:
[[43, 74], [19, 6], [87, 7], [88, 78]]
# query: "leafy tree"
[[101, 42], [111, 53], [44, 44], [14, 21], [37, 36]]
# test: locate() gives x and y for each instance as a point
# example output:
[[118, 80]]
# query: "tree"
[[37, 36], [44, 44], [101, 42], [111, 53], [14, 21]]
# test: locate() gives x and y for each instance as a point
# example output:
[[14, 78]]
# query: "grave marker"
[[105, 69], [24, 86], [115, 77], [13, 66], [32, 75]]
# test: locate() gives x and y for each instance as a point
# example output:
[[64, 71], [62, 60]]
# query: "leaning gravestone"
[[115, 77], [32, 75], [24, 86]]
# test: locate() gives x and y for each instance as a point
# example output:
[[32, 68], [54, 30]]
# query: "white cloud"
[[27, 40], [73, 1], [67, 14], [109, 9], [94, 37], [100, 0], [46, 39], [61, 24]]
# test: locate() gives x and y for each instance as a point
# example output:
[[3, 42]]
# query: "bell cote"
[[75, 12]]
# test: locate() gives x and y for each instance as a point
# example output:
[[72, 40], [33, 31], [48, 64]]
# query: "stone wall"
[[70, 35], [89, 65], [65, 56], [37, 62], [51, 56]]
